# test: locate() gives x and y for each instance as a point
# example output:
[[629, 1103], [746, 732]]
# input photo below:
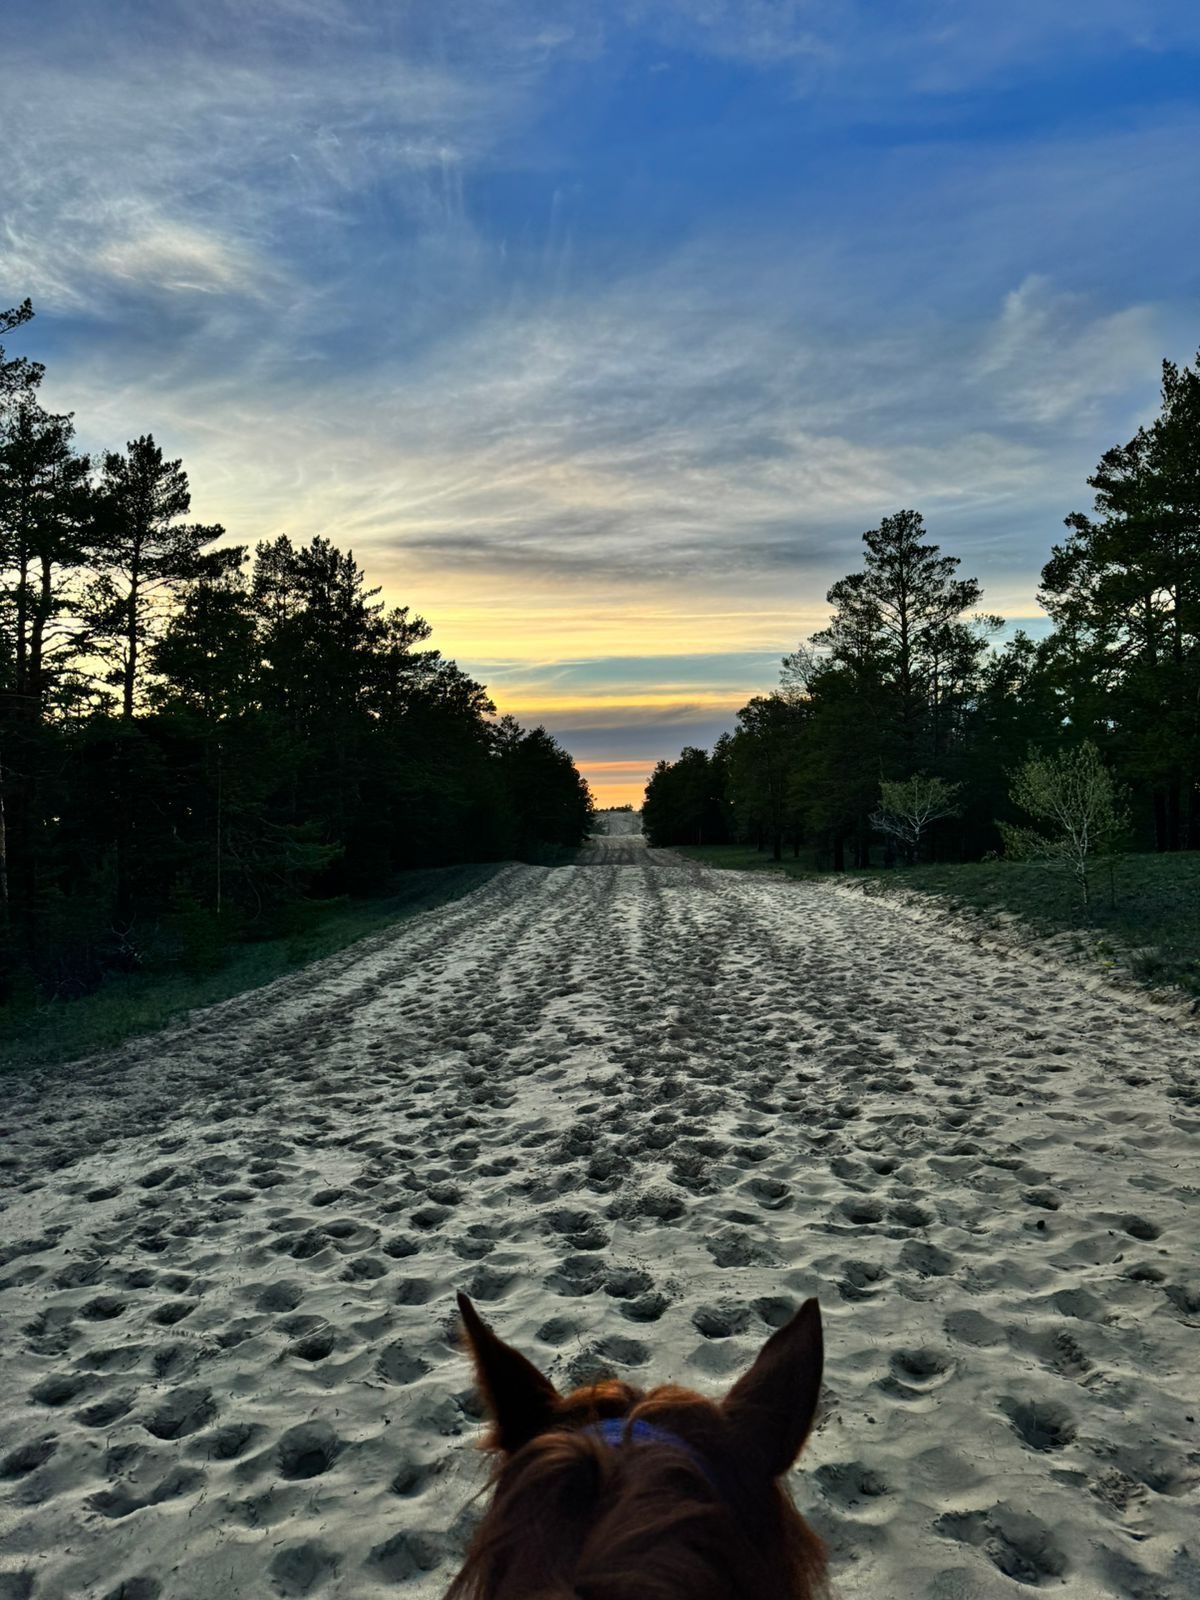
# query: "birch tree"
[[907, 810], [1076, 805]]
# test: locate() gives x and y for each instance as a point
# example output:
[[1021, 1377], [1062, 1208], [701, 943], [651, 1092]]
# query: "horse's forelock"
[[608, 1397], [572, 1519], [544, 1500]]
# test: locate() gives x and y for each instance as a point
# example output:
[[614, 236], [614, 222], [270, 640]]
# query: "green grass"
[[1150, 925], [127, 1005], [745, 858]]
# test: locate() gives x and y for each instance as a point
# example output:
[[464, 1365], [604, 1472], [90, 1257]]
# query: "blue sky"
[[600, 331]]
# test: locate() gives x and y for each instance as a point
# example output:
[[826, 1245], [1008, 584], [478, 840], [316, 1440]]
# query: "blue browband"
[[617, 1432]]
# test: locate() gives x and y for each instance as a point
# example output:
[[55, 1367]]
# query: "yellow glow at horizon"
[[531, 700], [497, 617], [611, 795], [617, 783], [529, 625], [535, 628]]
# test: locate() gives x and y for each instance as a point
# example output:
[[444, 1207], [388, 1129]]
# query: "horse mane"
[[572, 1518]]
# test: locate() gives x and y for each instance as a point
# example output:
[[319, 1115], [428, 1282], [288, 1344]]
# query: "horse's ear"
[[519, 1398], [770, 1408]]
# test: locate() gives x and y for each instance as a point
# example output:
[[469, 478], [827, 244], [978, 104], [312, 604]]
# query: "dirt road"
[[638, 1109]]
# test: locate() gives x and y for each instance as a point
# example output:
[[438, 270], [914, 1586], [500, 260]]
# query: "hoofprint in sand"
[[637, 1109]]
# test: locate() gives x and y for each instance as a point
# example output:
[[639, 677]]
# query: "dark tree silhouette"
[[1124, 590], [904, 612], [686, 801], [144, 554], [192, 746]]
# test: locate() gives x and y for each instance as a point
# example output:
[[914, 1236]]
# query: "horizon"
[[600, 337]]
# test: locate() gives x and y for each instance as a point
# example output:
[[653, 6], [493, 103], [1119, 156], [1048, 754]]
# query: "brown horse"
[[610, 1493]]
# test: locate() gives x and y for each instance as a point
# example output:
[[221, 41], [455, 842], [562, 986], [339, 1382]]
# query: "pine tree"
[[763, 757], [1124, 591], [902, 615], [145, 554], [44, 501], [45, 508]]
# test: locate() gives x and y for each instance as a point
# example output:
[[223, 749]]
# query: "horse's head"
[[610, 1493]]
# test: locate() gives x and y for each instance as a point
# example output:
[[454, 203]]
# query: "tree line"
[[194, 739], [904, 707]]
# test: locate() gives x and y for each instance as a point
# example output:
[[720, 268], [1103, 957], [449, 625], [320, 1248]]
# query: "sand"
[[638, 1109]]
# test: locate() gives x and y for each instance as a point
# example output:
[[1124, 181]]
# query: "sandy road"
[[638, 1109]]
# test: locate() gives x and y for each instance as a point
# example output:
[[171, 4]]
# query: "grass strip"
[[127, 1005]]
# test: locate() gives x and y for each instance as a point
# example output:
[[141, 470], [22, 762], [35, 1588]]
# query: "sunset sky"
[[600, 329]]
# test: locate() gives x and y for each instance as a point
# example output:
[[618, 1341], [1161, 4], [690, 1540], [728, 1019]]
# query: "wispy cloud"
[[1051, 361], [235, 133], [854, 49], [659, 433]]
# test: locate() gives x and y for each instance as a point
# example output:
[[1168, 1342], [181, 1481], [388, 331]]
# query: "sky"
[[601, 329]]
